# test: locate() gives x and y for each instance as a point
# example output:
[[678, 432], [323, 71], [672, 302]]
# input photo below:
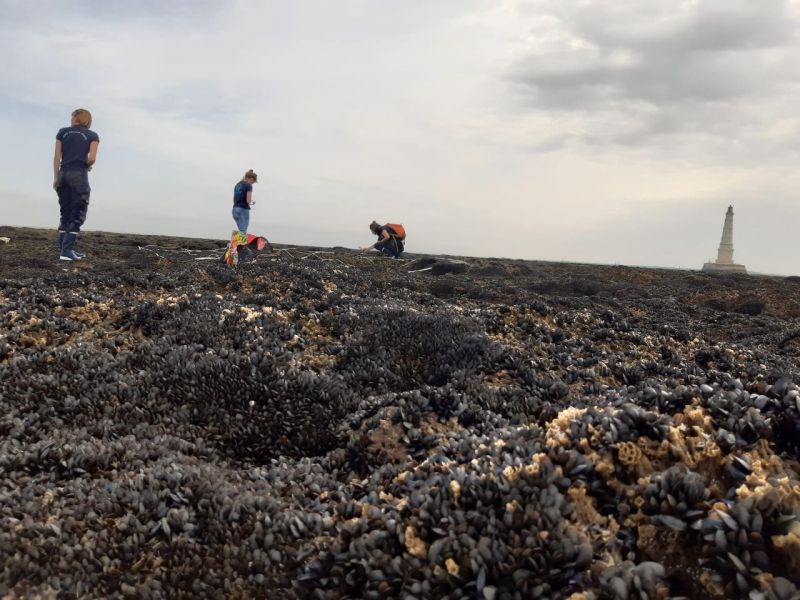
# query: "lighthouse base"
[[712, 267]]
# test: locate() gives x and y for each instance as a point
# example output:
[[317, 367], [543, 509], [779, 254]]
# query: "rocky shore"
[[318, 423]]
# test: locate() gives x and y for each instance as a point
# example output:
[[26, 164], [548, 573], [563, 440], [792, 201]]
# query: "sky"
[[602, 131]]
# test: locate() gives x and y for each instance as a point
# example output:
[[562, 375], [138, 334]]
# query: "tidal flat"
[[321, 423]]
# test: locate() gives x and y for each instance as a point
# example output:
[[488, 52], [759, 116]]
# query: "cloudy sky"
[[611, 131]]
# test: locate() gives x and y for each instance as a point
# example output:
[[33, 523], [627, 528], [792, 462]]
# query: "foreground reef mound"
[[327, 424]]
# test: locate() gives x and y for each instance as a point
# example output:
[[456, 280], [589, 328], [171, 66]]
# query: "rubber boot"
[[61, 236], [68, 247]]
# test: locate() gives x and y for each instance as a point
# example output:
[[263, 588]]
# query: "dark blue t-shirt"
[[240, 194], [387, 229], [75, 143]]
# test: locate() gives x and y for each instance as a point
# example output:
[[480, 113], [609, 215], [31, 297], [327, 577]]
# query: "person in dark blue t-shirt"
[[390, 239], [76, 152], [243, 200]]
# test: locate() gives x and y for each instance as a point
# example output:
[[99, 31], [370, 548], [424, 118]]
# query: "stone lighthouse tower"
[[724, 262]]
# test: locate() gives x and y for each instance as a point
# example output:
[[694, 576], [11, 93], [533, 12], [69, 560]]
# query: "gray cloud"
[[652, 69]]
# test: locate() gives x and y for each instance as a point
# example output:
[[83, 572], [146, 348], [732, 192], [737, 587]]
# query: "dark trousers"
[[73, 199], [391, 247]]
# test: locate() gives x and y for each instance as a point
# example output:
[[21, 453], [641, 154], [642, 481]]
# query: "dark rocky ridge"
[[321, 424]]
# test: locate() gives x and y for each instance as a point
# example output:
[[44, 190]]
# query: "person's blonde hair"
[[250, 175], [82, 117]]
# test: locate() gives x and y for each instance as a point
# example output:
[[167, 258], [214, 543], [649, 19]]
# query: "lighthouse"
[[724, 262]]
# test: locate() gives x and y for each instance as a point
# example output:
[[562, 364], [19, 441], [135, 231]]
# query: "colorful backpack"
[[244, 247]]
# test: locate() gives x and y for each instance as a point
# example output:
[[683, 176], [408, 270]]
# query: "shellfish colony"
[[323, 424]]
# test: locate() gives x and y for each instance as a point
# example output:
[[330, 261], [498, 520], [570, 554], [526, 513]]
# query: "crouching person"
[[390, 239], [76, 152]]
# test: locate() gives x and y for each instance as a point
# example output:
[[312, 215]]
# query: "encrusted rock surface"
[[325, 424]]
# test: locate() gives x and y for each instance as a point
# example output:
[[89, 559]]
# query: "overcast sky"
[[613, 131]]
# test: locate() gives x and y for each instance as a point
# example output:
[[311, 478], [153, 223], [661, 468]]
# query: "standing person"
[[243, 200], [390, 239], [76, 152]]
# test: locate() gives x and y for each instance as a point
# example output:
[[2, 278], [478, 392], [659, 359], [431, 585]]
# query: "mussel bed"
[[326, 424]]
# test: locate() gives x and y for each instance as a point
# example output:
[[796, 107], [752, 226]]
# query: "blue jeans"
[[242, 218], [391, 247], [73, 199]]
